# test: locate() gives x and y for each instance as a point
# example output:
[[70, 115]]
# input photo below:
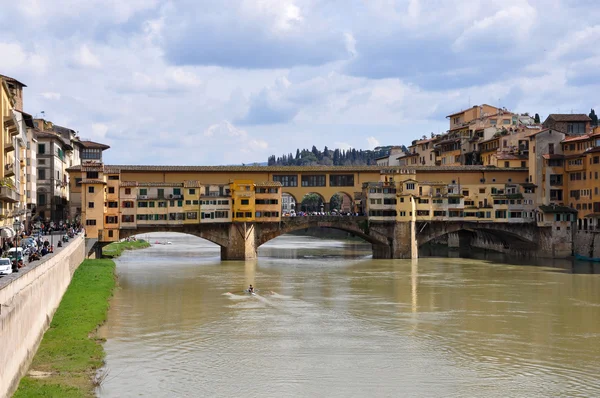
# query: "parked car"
[[5, 266], [15, 253]]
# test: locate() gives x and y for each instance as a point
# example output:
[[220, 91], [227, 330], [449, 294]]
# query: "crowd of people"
[[33, 245]]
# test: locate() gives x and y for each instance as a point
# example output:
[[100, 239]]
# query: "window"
[[41, 149], [111, 219], [113, 205], [191, 215], [523, 163], [41, 199], [90, 222], [110, 234], [344, 180], [551, 148], [162, 204], [576, 128], [113, 178], [127, 191], [127, 218], [92, 174], [111, 189], [91, 205], [143, 191], [245, 202], [91, 153], [221, 214], [410, 185], [192, 191], [128, 204], [505, 121], [176, 191], [41, 174], [493, 122], [313, 180], [90, 189]]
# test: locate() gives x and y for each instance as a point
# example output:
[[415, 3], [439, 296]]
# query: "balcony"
[[11, 124], [9, 170], [9, 194], [9, 146]]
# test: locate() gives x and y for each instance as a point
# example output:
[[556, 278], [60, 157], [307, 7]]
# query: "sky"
[[203, 82]]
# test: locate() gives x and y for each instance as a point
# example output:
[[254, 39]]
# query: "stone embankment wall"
[[28, 300], [587, 243]]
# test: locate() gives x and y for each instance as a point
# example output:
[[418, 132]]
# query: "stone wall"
[[587, 243], [28, 300]]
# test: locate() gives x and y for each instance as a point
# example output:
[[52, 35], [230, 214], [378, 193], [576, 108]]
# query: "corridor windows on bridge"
[[286, 180], [341, 180], [410, 186], [125, 218], [313, 180]]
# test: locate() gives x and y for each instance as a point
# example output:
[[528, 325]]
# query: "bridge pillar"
[[404, 242], [242, 242]]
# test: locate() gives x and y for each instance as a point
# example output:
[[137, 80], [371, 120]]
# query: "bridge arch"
[[353, 225], [514, 236], [312, 201], [289, 202], [341, 201], [213, 232]]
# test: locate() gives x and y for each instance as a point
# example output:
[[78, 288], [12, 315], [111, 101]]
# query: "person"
[[251, 289]]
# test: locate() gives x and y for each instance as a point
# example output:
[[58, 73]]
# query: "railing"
[[9, 194]]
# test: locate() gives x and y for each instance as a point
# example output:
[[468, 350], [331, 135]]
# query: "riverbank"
[[115, 249], [70, 355]]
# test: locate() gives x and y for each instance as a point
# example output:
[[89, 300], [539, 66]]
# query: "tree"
[[536, 119], [335, 203], [311, 202], [594, 117]]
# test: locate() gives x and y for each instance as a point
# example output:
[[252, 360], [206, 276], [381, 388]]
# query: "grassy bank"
[[115, 249], [69, 355]]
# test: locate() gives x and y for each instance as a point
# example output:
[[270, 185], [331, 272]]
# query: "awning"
[[7, 232]]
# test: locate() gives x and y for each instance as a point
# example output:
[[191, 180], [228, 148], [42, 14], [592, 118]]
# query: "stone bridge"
[[240, 241]]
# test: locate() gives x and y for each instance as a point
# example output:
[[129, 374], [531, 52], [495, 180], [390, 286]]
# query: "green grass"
[[69, 350], [115, 249]]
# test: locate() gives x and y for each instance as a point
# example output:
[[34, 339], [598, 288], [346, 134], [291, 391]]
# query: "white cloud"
[[224, 129], [372, 142], [342, 145], [86, 58], [51, 95], [99, 130]]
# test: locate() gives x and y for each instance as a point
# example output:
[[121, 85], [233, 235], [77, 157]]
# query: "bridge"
[[240, 240]]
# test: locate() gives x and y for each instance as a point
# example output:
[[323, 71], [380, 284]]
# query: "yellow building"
[[9, 191], [267, 201], [243, 198]]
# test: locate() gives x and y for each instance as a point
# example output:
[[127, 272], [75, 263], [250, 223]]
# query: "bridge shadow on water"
[[570, 266]]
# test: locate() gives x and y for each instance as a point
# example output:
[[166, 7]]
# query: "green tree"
[[536, 118], [594, 117], [311, 202], [335, 203]]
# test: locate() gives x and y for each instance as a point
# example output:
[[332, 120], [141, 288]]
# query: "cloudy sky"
[[226, 82]]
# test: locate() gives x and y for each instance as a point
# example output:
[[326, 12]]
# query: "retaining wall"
[[587, 243], [28, 300]]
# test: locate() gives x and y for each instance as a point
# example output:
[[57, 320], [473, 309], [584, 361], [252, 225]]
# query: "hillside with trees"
[[329, 157]]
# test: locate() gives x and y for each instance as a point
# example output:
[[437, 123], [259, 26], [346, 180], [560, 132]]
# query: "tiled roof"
[[268, 184], [576, 138], [567, 117], [416, 169], [511, 156], [266, 169], [108, 170], [160, 184], [128, 184], [536, 132], [553, 156], [92, 144], [592, 215], [12, 79], [557, 209]]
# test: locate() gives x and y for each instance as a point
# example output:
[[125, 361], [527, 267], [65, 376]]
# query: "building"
[[570, 124]]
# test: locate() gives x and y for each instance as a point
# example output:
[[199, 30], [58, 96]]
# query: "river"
[[329, 321]]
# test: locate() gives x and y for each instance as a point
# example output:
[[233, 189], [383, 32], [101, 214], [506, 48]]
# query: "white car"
[[5, 266]]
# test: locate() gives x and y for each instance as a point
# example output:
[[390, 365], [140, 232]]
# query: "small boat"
[[584, 258]]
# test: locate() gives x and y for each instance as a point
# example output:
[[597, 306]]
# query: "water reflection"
[[333, 322]]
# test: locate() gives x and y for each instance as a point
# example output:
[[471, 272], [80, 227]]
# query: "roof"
[[557, 209], [553, 156], [94, 145], [233, 169], [12, 79], [476, 106], [568, 117], [536, 132], [417, 168], [576, 138], [592, 215], [268, 184]]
